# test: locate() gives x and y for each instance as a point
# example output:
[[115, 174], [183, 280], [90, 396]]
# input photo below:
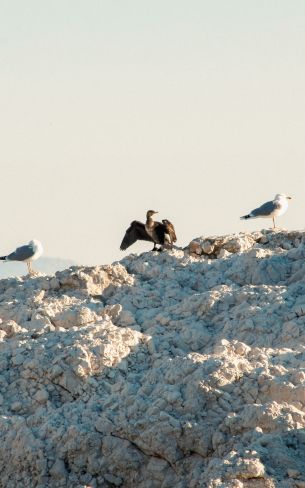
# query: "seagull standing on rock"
[[27, 253], [271, 209]]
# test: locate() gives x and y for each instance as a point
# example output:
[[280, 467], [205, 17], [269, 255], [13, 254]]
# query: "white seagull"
[[271, 209], [28, 253]]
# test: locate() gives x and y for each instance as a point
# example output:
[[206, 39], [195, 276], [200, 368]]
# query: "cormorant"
[[170, 230], [156, 232]]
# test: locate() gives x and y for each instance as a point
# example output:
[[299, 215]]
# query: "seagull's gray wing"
[[22, 253], [265, 209]]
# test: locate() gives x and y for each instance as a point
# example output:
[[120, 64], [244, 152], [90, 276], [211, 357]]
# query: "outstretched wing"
[[170, 229], [136, 232]]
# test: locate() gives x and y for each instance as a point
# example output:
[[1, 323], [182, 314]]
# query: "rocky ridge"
[[184, 368]]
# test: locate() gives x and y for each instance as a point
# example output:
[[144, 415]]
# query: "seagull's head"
[[36, 244], [281, 196], [150, 213]]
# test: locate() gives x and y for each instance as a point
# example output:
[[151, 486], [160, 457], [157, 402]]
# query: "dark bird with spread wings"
[[159, 233]]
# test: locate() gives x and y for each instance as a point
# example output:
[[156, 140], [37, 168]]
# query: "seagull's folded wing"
[[22, 253], [266, 209]]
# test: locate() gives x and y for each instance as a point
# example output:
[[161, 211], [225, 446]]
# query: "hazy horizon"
[[46, 264], [108, 109]]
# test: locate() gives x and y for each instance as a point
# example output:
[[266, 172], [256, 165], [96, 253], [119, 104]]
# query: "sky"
[[110, 108]]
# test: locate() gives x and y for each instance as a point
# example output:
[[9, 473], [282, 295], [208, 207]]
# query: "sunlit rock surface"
[[177, 369]]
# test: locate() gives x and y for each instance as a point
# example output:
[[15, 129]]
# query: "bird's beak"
[[156, 212]]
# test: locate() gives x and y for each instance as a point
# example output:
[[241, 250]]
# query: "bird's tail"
[[2, 258], [245, 217]]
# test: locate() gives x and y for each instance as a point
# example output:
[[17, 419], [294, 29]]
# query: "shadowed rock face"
[[179, 369]]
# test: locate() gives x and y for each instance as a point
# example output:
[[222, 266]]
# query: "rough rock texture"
[[175, 369]]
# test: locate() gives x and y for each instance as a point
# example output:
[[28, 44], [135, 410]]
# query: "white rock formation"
[[178, 369]]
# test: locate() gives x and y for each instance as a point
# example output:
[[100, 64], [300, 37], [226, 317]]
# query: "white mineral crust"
[[178, 369]]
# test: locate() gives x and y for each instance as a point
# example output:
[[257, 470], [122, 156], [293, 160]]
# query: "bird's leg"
[[273, 222], [157, 249], [31, 270]]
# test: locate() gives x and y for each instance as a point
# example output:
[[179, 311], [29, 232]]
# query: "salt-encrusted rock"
[[224, 245], [74, 317], [207, 247], [195, 248], [180, 368], [241, 349], [11, 328]]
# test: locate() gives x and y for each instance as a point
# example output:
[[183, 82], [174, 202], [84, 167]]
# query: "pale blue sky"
[[108, 108]]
